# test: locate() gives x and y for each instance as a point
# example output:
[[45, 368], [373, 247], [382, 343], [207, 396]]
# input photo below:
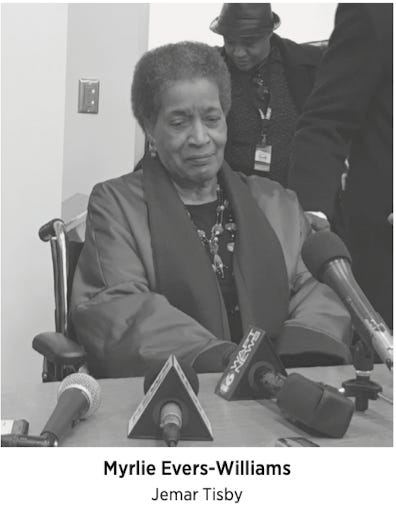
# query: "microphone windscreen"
[[189, 372], [87, 385], [318, 407], [320, 248]]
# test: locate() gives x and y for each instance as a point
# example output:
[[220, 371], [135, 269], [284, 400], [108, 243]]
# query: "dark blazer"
[[351, 104], [136, 300]]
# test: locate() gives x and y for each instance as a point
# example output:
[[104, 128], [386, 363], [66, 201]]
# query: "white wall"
[[49, 152], [300, 22], [33, 91], [104, 42], [305, 22]]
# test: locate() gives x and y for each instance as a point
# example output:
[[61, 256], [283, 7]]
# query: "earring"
[[152, 149]]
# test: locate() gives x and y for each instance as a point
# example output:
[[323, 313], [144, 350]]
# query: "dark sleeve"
[[346, 81], [124, 325], [318, 324]]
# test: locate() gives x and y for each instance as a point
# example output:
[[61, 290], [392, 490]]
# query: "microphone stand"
[[362, 388]]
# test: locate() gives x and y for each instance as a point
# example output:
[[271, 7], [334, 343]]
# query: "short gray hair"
[[162, 66]]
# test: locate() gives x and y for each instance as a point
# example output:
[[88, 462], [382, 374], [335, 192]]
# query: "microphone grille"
[[85, 383], [320, 248]]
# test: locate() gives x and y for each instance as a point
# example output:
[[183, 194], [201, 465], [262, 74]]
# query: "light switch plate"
[[88, 96]]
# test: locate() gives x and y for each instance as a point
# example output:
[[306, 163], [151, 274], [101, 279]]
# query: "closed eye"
[[179, 122], [212, 120]]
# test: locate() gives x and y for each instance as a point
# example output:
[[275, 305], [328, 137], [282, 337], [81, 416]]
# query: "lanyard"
[[265, 121], [263, 98], [264, 110]]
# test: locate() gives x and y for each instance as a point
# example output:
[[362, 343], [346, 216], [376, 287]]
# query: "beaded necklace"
[[211, 244]]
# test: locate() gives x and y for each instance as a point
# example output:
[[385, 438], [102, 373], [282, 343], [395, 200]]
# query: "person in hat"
[[271, 80]]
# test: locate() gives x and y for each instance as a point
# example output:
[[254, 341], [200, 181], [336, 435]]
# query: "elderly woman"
[[185, 255]]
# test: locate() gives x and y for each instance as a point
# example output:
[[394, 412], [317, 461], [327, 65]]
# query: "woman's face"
[[247, 52], [190, 132]]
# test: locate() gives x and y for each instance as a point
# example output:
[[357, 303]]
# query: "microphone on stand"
[[315, 406], [171, 413], [255, 371], [170, 409], [328, 260]]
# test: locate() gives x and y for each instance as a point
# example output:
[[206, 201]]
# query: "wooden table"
[[237, 423]]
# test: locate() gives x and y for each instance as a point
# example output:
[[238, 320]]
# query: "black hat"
[[245, 20]]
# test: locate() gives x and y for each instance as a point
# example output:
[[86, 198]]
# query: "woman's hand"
[[318, 221]]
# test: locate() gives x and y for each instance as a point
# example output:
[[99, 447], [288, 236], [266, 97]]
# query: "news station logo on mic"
[[234, 383], [239, 360], [227, 383]]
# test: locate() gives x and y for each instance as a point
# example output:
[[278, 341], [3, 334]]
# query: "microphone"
[[315, 406], [171, 413], [328, 260], [257, 372], [170, 409], [78, 396]]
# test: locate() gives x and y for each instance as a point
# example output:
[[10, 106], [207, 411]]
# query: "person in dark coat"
[[349, 114], [271, 79]]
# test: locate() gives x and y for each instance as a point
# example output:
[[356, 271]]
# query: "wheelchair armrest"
[[59, 349]]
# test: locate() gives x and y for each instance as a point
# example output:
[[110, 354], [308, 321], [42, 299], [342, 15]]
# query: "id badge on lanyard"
[[263, 153]]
